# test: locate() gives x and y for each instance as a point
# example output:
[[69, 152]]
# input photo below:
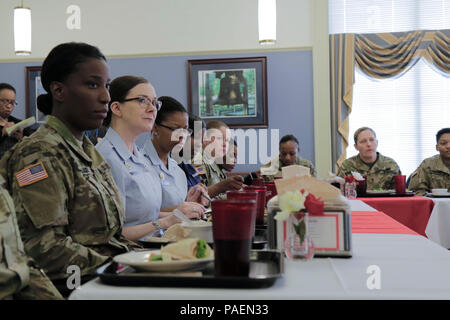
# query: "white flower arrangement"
[[291, 201]]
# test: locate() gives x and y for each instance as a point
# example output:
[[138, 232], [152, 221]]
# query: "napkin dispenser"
[[331, 233]]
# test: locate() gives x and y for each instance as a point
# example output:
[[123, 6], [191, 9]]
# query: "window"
[[405, 112]]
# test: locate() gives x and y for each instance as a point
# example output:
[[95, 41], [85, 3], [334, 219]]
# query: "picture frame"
[[232, 90], [34, 88]]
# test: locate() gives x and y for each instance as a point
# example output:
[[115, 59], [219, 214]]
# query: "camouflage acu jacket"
[[432, 173], [18, 276], [380, 174], [68, 207], [298, 161], [209, 172]]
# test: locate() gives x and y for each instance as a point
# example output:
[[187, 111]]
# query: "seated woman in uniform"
[[196, 175], [378, 169], [132, 111], [69, 209], [169, 134], [230, 159], [20, 277]]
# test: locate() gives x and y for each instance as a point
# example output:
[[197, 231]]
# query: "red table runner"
[[377, 222], [413, 212]]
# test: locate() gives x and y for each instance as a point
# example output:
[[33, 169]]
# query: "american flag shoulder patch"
[[200, 170], [31, 174]]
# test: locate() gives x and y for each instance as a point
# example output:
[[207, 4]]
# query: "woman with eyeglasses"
[[7, 104], [132, 112], [169, 135]]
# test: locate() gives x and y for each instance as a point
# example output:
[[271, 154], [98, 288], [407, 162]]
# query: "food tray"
[[266, 266], [369, 194]]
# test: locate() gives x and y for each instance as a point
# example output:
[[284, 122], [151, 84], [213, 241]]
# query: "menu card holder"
[[331, 232]]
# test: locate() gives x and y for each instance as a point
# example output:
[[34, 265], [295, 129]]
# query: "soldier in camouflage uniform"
[[208, 170], [19, 276], [68, 207], [289, 148], [378, 169], [434, 172]]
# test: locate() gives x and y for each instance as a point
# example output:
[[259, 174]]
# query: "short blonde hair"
[[357, 132], [215, 124]]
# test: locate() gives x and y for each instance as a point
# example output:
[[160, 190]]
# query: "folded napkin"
[[295, 170]]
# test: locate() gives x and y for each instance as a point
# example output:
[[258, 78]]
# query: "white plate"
[[380, 191], [139, 260]]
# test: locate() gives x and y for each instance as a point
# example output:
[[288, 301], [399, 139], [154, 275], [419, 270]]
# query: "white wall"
[[178, 27], [149, 27]]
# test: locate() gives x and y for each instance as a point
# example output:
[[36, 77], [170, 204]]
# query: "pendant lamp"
[[22, 30], [267, 21]]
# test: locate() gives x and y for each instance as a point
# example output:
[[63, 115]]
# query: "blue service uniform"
[[172, 179], [137, 182], [191, 173]]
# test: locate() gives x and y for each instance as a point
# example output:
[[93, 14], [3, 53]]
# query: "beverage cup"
[[361, 187], [258, 182], [260, 202], [246, 196], [232, 235], [400, 183], [271, 190]]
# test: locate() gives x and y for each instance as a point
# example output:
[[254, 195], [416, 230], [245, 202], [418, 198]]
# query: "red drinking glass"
[[271, 190], [260, 202], [400, 183], [245, 195], [232, 221]]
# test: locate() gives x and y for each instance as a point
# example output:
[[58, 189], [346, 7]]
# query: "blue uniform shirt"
[[191, 174], [138, 183], [173, 180]]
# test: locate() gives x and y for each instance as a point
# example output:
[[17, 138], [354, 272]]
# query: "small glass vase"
[[298, 244]]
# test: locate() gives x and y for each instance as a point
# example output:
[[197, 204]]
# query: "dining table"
[[413, 212], [438, 226], [389, 261]]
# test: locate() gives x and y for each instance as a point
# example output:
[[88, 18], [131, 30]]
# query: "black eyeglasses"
[[7, 101], [188, 131], [145, 102]]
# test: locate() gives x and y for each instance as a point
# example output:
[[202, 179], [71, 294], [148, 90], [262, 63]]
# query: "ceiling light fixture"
[[267, 21], [22, 30]]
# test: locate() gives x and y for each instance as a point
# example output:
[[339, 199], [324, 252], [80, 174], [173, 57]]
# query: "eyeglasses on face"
[[145, 102], [5, 102], [188, 131]]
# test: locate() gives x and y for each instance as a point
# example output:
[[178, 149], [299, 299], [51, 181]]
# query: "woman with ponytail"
[[69, 209]]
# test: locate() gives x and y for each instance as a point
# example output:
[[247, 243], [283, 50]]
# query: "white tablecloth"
[[359, 205], [411, 267], [438, 227]]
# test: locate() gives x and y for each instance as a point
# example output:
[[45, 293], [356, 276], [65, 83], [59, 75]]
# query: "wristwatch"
[[157, 224]]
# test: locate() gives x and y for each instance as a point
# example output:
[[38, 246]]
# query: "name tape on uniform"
[[31, 174]]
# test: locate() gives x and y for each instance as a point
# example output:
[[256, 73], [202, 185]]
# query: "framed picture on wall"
[[34, 89], [230, 90]]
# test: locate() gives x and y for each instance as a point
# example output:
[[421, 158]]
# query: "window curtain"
[[381, 56]]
